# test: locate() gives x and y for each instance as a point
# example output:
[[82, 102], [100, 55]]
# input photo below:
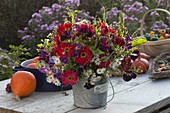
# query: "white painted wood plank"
[[53, 99], [55, 102]]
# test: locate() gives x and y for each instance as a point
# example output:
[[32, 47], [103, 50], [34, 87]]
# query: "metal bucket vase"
[[95, 97]]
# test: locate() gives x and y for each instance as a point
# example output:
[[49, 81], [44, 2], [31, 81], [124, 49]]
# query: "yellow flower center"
[[66, 49], [83, 55], [69, 78]]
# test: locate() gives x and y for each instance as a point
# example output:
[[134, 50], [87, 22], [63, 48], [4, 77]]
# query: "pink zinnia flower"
[[69, 77]]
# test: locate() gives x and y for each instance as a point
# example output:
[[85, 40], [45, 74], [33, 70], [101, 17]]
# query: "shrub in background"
[[5, 65], [14, 15], [9, 59]]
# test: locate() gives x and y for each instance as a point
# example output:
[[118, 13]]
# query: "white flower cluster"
[[51, 79], [115, 65], [96, 60]]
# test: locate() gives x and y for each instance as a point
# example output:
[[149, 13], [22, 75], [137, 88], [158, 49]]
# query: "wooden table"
[[140, 95]]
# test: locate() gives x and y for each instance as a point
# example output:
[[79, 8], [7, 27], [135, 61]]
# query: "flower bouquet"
[[89, 51]]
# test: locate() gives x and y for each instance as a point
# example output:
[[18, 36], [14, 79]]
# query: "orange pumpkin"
[[32, 65], [35, 60], [23, 83], [141, 65]]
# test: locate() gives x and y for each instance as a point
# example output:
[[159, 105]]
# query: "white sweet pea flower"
[[56, 60]]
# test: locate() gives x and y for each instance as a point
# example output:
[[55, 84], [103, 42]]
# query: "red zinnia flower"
[[64, 27], [64, 50], [85, 56], [69, 77]]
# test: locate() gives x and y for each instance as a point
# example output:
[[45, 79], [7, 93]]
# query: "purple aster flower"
[[26, 37], [154, 13], [56, 6], [21, 31], [168, 18], [36, 15], [26, 29]]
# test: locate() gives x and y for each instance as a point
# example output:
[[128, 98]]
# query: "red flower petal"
[[69, 77], [85, 57]]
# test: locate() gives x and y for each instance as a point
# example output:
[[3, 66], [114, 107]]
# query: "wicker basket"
[[154, 48], [156, 64]]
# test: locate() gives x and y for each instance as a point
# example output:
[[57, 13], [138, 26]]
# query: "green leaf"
[[96, 51], [40, 45], [138, 41], [105, 58]]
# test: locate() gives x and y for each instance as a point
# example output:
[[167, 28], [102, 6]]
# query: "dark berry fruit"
[[133, 75], [126, 77], [8, 88]]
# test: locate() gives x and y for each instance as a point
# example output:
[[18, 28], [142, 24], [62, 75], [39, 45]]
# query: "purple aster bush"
[[159, 25], [134, 10], [133, 14], [43, 22]]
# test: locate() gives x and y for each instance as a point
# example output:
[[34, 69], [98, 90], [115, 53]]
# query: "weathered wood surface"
[[140, 95]]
